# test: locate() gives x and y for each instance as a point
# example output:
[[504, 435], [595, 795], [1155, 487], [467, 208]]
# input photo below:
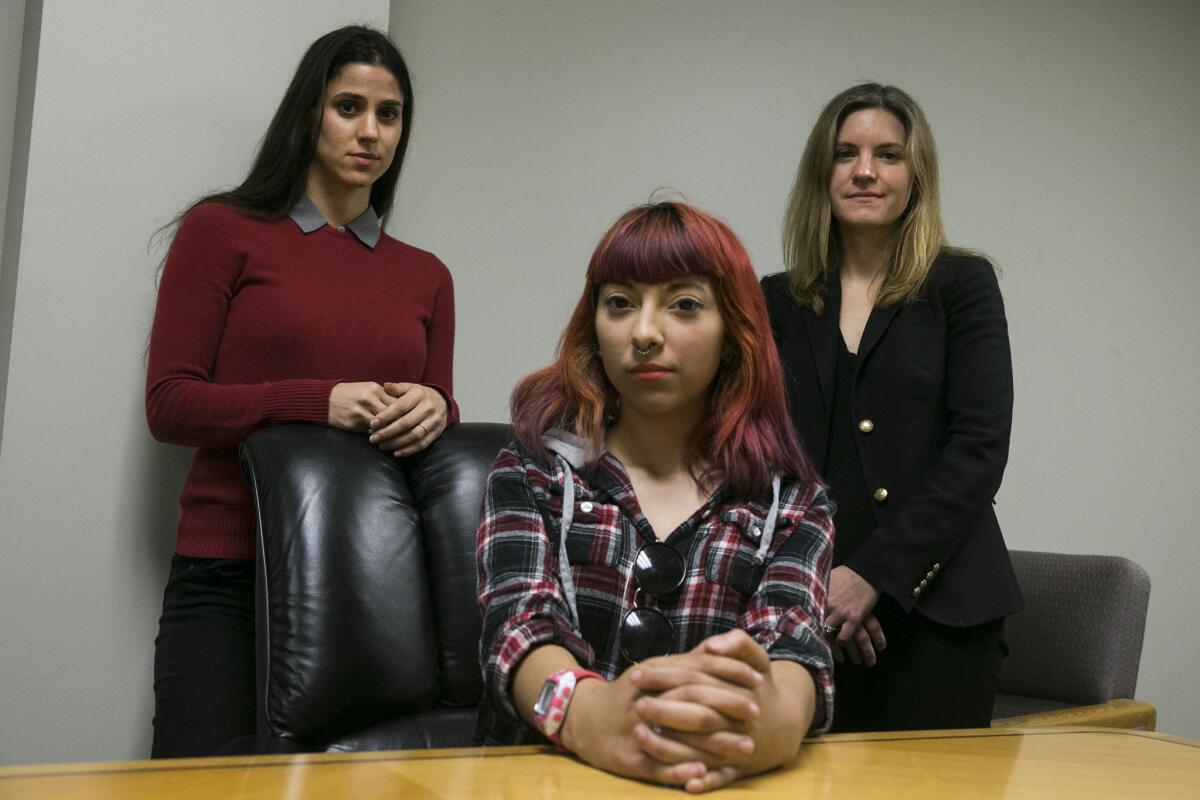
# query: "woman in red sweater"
[[283, 301]]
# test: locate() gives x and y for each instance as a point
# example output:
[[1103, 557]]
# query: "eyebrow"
[[877, 147], [687, 283], [348, 95], [671, 286]]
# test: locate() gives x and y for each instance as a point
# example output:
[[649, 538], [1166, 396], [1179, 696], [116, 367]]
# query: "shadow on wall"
[[155, 473]]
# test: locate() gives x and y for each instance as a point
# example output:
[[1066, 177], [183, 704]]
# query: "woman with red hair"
[[655, 546]]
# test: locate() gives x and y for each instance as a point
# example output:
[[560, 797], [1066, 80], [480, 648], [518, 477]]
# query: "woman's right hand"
[[353, 405], [416, 415], [848, 610], [599, 728]]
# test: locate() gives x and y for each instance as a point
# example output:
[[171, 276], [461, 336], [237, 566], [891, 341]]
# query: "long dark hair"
[[278, 176]]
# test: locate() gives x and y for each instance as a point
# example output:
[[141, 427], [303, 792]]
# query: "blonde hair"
[[811, 245]]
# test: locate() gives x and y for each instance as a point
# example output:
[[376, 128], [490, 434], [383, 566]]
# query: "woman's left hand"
[[848, 611], [707, 699], [703, 706], [412, 421], [726, 704]]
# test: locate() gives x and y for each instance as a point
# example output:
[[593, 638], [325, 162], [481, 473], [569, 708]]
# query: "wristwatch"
[[550, 710]]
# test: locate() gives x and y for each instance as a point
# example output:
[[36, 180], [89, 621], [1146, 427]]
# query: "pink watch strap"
[[551, 710]]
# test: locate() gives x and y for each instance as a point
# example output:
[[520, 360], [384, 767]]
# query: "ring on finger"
[[422, 427], [828, 629]]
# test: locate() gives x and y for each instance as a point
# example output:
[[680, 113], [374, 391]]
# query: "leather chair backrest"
[[367, 605], [447, 483], [1079, 639]]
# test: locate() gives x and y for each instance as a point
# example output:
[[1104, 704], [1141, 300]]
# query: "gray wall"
[[1065, 130], [139, 107]]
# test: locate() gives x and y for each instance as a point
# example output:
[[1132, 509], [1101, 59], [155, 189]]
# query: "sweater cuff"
[[451, 406], [298, 401]]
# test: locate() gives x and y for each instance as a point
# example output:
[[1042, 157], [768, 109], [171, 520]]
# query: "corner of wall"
[[10, 241]]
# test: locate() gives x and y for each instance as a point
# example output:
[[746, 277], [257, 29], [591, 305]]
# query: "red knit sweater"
[[255, 324]]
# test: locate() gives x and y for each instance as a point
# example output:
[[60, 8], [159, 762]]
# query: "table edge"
[[318, 759]]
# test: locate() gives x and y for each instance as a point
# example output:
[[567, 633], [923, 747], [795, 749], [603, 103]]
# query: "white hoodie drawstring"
[[768, 533], [568, 516]]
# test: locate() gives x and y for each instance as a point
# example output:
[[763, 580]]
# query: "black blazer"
[[933, 396]]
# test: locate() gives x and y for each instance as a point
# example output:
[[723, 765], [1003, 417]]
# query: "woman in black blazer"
[[899, 377]]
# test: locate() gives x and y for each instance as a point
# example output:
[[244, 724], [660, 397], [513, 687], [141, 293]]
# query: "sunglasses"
[[646, 632]]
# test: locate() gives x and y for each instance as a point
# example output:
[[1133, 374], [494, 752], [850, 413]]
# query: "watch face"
[[545, 698]]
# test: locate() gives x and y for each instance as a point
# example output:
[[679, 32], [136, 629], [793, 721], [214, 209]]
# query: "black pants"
[[204, 657], [930, 676]]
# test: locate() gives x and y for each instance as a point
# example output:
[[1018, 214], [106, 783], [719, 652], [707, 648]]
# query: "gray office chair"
[[1074, 651]]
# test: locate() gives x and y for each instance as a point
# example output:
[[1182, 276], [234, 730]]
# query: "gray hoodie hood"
[[575, 451]]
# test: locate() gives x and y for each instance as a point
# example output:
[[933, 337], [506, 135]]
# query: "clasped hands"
[[691, 719], [401, 418], [848, 610]]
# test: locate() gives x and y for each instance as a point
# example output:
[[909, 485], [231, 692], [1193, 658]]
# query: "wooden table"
[[1058, 763]]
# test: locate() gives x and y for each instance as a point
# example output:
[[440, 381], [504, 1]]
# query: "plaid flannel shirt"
[[779, 602]]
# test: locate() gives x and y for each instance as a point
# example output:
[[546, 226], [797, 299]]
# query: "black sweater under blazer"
[[932, 394]]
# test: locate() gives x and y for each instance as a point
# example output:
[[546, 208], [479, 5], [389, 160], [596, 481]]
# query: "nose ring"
[[642, 352]]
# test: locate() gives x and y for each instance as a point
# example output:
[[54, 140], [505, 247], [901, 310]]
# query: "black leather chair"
[[368, 625]]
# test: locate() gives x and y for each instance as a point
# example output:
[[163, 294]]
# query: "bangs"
[[655, 245], [746, 436]]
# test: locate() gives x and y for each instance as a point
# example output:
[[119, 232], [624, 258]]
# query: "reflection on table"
[[1058, 763]]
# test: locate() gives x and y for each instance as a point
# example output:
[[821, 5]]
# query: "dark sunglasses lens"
[[646, 633], [658, 569]]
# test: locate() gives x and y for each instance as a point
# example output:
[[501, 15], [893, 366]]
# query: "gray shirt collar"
[[308, 217]]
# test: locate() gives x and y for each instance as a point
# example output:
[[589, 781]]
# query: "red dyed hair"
[[746, 437]]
